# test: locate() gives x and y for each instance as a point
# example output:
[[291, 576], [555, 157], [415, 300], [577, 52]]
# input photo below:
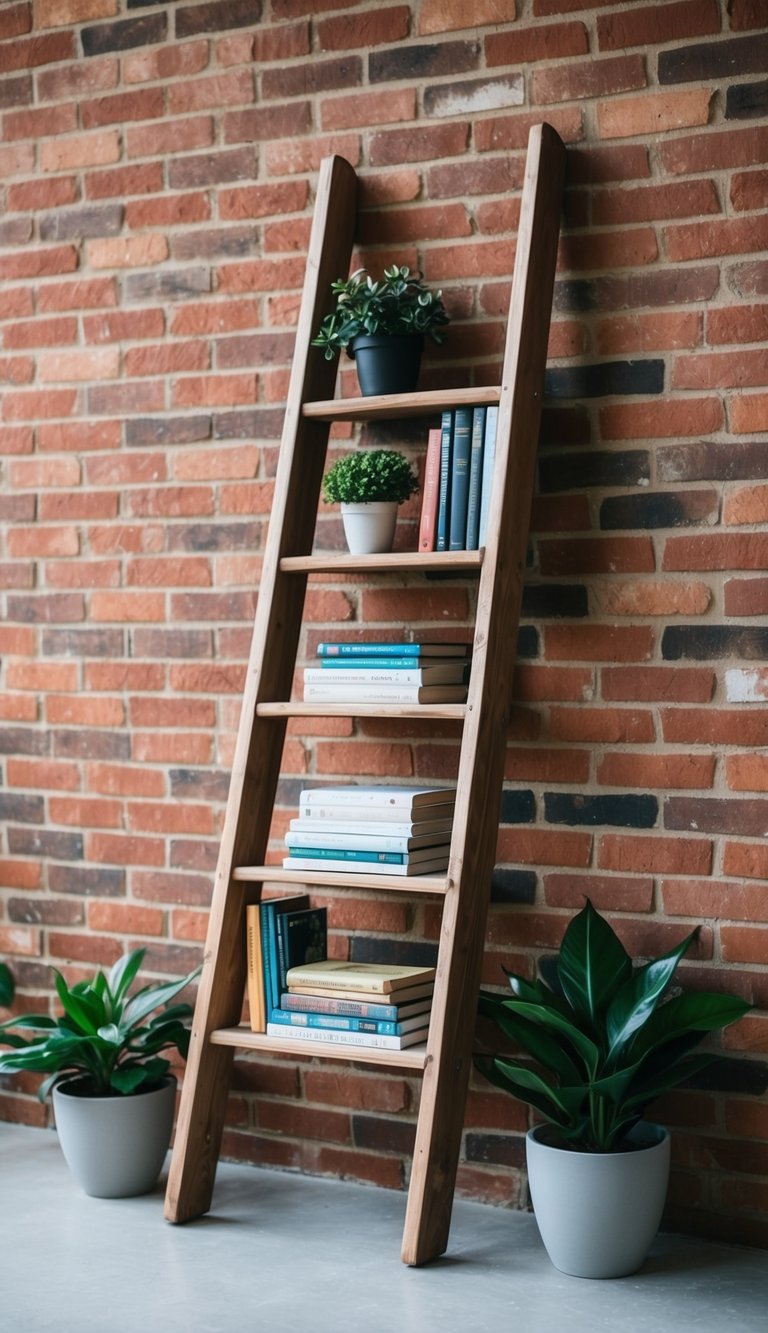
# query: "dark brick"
[[657, 509], [513, 886], [420, 62], [17, 508], [45, 842], [517, 807], [42, 608], [213, 537], [599, 164], [302, 79], [91, 744], [120, 36], [213, 168], [226, 243], [254, 349], [77, 223], [605, 379], [574, 471], [700, 814], [174, 286], [374, 949], [288, 791], [173, 960], [542, 601], [493, 175], [730, 1074], [24, 740], [495, 1149], [24, 809], [187, 855], [198, 784], [45, 911], [396, 1136], [109, 643], [249, 423], [15, 231], [714, 60], [398, 431], [703, 643], [565, 425], [16, 91], [176, 643], [628, 292], [140, 431], [623, 811], [87, 881], [708, 461], [527, 642], [216, 16], [745, 100]]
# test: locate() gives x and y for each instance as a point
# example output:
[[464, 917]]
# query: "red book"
[[428, 524]]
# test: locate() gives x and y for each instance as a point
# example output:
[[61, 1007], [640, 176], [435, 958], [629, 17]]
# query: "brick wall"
[[158, 163]]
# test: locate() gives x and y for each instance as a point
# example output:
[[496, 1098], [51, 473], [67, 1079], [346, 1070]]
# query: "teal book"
[[444, 491], [334, 1005], [475, 478], [345, 1023], [269, 910], [349, 854], [489, 454], [462, 445], [302, 937], [377, 649]]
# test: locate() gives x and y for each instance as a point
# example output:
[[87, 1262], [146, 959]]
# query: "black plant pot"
[[387, 363]]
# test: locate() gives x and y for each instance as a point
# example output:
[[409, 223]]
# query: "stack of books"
[[280, 933], [456, 494], [395, 673], [356, 1004], [373, 830]]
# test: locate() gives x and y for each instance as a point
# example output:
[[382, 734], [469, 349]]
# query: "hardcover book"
[[317, 833], [430, 493], [396, 798], [320, 691], [375, 648], [387, 671], [315, 991], [369, 1039], [313, 863], [255, 959], [376, 978], [397, 1012], [475, 478], [489, 454], [462, 444], [444, 490], [269, 910], [369, 819], [364, 856], [302, 937], [347, 1023]]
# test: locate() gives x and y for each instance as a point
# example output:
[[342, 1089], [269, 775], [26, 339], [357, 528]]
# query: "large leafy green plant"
[[399, 303], [607, 1037], [368, 476], [6, 986], [111, 1039]]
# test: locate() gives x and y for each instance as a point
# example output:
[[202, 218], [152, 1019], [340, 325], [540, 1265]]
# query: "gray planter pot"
[[114, 1146], [369, 528], [599, 1212]]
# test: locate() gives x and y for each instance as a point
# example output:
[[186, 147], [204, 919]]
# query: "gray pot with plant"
[[369, 484], [114, 1099], [382, 325], [606, 1038]]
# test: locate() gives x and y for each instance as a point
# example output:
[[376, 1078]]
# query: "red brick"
[[653, 598], [16, 440], [746, 597], [79, 436], [51, 774], [124, 780], [164, 748], [654, 855], [713, 551], [127, 251], [746, 772], [36, 51], [156, 817], [122, 850], [124, 918], [715, 726], [62, 13], [615, 893], [121, 182], [714, 151], [417, 144], [36, 543], [592, 78], [15, 20], [520, 45], [652, 24], [666, 684], [39, 263], [84, 812], [649, 333], [118, 675], [84, 711], [123, 325], [743, 944], [653, 113], [748, 190], [749, 413], [20, 874], [40, 472], [720, 370], [523, 764], [738, 324], [646, 203], [372, 28], [615, 725], [293, 156], [723, 237], [507, 133], [367, 108], [552, 847], [39, 123], [747, 859], [169, 136], [362, 757], [77, 295], [662, 420], [172, 61], [650, 771]]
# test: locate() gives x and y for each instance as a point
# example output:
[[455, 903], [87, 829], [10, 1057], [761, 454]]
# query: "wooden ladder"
[[445, 1061]]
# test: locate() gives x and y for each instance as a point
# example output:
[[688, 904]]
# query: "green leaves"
[[610, 1043], [102, 1032], [6, 986], [399, 303], [370, 475]]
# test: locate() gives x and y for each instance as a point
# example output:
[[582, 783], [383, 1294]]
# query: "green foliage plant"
[[368, 476], [399, 303], [606, 1037], [7, 988], [109, 1039]]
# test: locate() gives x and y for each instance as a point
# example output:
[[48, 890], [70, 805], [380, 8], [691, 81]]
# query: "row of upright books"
[[295, 990], [394, 673], [457, 480]]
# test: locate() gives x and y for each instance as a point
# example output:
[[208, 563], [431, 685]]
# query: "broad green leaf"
[[537, 992], [36, 1022], [77, 1006], [639, 996], [593, 964], [155, 997], [111, 1034], [566, 1101], [7, 986], [697, 1011], [534, 1039], [665, 1080], [123, 973], [550, 1019]]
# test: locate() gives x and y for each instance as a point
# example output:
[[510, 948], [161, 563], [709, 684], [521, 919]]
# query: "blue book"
[[444, 491], [380, 663], [342, 1023], [269, 910], [302, 937], [376, 649], [462, 445], [330, 1004], [475, 478], [489, 454], [346, 854]]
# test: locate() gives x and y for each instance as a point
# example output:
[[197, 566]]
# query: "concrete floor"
[[298, 1255]]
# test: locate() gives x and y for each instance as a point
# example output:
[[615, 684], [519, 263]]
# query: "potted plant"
[[607, 1038], [382, 324], [369, 484], [113, 1097]]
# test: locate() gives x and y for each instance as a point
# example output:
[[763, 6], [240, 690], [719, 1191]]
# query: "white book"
[[401, 798], [340, 1038], [447, 673], [319, 692], [321, 836], [370, 819], [315, 863], [372, 829], [486, 482]]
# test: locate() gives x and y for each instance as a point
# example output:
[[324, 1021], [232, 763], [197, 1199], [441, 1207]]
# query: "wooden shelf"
[[398, 405], [425, 712], [413, 1057], [396, 562], [342, 879]]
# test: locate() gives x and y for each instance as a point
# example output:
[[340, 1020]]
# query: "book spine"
[[372, 814], [370, 868], [335, 1022], [489, 454], [462, 441], [363, 676], [380, 663], [373, 831], [371, 1039], [444, 491], [317, 692], [266, 950], [352, 854], [362, 842], [430, 493], [475, 477], [322, 1004], [392, 797], [255, 969], [369, 649]]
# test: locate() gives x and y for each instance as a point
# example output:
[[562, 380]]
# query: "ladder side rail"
[[260, 741], [481, 767]]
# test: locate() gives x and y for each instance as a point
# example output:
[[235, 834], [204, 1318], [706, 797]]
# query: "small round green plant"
[[400, 303], [369, 476]]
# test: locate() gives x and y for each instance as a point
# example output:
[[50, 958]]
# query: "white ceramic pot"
[[599, 1212], [114, 1146], [369, 528]]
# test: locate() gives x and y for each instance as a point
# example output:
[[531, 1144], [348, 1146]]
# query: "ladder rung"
[[434, 884], [413, 1057], [427, 712], [392, 562], [400, 404]]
